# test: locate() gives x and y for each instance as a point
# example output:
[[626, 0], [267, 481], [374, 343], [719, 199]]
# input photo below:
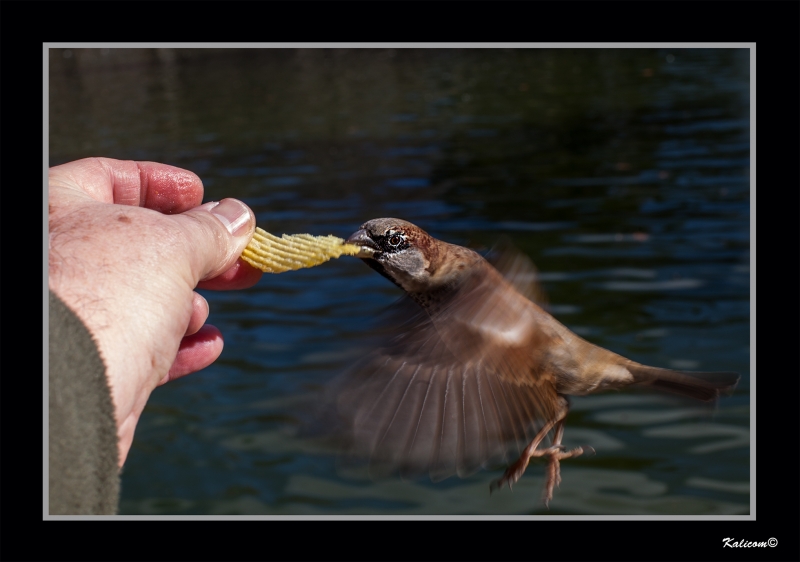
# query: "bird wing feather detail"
[[441, 393]]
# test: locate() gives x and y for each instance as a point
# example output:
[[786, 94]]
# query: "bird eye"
[[395, 240]]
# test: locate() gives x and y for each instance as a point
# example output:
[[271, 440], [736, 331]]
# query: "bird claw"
[[552, 473], [550, 451], [511, 475], [495, 485], [498, 484], [552, 479]]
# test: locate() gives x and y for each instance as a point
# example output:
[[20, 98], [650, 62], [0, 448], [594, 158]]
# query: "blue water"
[[623, 174]]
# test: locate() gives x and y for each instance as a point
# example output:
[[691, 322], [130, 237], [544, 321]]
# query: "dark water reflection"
[[624, 174]]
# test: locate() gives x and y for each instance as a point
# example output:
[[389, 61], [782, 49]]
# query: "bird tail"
[[700, 385]]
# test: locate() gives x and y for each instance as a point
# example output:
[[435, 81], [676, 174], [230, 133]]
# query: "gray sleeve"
[[83, 451]]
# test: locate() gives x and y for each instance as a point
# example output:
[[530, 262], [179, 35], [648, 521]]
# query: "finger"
[[168, 189], [215, 235], [199, 314], [160, 187], [196, 352], [239, 276]]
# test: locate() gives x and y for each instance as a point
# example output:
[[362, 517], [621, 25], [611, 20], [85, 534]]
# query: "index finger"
[[161, 187]]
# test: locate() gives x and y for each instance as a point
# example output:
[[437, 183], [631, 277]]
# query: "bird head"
[[398, 250], [408, 256]]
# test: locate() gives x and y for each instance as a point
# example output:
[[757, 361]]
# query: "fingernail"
[[233, 214]]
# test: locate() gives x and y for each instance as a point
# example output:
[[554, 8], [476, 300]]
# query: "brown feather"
[[476, 368]]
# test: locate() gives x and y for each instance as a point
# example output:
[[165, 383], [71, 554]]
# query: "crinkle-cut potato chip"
[[271, 254]]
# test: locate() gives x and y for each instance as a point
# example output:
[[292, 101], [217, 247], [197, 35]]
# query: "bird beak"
[[362, 239]]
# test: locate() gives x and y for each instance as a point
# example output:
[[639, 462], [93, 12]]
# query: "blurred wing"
[[450, 389], [518, 270]]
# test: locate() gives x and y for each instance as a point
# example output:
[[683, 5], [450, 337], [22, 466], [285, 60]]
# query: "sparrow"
[[469, 366]]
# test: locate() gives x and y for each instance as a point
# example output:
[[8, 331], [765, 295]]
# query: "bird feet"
[[552, 473]]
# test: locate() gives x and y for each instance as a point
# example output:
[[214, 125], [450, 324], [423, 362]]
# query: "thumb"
[[217, 233]]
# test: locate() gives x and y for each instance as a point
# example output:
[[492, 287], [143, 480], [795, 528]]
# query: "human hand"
[[128, 246]]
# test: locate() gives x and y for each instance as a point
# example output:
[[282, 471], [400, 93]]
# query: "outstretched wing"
[[452, 387]]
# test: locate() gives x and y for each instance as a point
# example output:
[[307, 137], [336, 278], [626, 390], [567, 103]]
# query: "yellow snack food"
[[271, 254]]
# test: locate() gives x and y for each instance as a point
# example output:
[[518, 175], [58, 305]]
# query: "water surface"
[[624, 175]]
